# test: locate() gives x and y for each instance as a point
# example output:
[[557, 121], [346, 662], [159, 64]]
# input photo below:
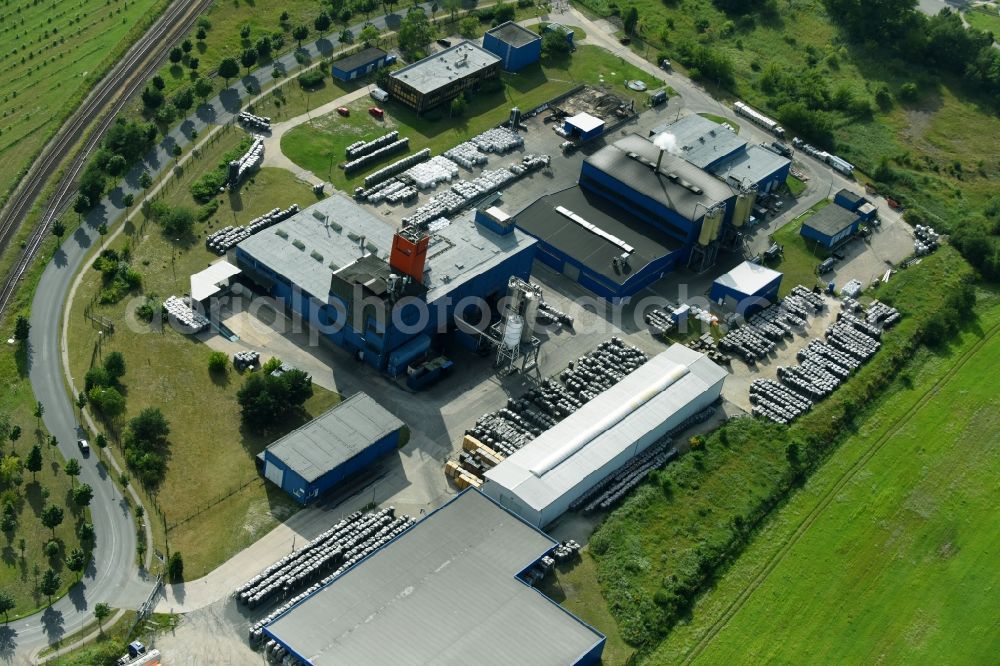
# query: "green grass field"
[[795, 186], [319, 144], [883, 555], [169, 370], [51, 52], [923, 138], [986, 19], [224, 39], [800, 256]]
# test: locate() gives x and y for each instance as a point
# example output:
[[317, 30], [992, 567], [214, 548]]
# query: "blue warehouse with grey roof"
[[383, 295]]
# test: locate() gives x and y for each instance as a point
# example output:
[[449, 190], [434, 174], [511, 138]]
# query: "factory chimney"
[[409, 252]]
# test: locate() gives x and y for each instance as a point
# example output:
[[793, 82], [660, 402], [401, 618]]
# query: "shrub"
[[218, 362], [312, 79]]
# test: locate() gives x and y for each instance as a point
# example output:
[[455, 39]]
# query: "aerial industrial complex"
[[454, 353]]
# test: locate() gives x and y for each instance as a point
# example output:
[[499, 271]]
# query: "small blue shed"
[[360, 64], [331, 448], [746, 289], [516, 46], [584, 125], [831, 225]]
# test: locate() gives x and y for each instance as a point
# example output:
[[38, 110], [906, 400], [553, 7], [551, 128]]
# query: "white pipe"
[[575, 443]]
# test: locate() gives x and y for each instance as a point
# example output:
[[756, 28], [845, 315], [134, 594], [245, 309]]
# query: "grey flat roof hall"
[[541, 220], [359, 59], [439, 69], [831, 219], [514, 34], [701, 141], [753, 165], [443, 592], [615, 161], [333, 227], [335, 436]]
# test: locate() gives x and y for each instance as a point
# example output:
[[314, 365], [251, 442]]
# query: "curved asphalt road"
[[112, 576]]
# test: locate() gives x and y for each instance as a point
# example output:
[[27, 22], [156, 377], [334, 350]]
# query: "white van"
[[379, 95]]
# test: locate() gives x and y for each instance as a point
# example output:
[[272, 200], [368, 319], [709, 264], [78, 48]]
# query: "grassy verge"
[[800, 256], [795, 186], [169, 370], [319, 144], [720, 120], [890, 540], [573, 588], [111, 644], [672, 537], [986, 19]]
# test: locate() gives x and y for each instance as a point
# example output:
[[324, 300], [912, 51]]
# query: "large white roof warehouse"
[[446, 592], [539, 481]]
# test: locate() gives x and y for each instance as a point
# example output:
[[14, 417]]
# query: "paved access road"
[[113, 576]]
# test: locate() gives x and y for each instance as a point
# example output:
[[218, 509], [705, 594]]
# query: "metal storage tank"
[[512, 332], [744, 205], [711, 224]]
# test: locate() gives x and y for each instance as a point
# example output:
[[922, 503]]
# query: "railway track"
[[103, 104]]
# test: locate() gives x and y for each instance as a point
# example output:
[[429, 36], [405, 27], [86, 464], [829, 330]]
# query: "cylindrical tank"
[[512, 332], [710, 225], [717, 221], [741, 212], [530, 315]]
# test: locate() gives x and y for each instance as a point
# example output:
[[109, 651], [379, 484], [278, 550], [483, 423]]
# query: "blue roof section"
[[441, 592]]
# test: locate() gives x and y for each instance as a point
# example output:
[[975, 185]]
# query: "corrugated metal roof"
[[831, 220], [444, 592], [333, 227], [701, 141], [748, 278], [754, 165], [335, 436], [514, 473]]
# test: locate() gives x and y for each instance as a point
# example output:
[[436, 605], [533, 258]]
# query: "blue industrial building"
[[449, 590], [516, 46], [856, 203], [746, 289], [831, 225], [636, 215], [361, 64], [332, 448], [721, 152], [383, 296]]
